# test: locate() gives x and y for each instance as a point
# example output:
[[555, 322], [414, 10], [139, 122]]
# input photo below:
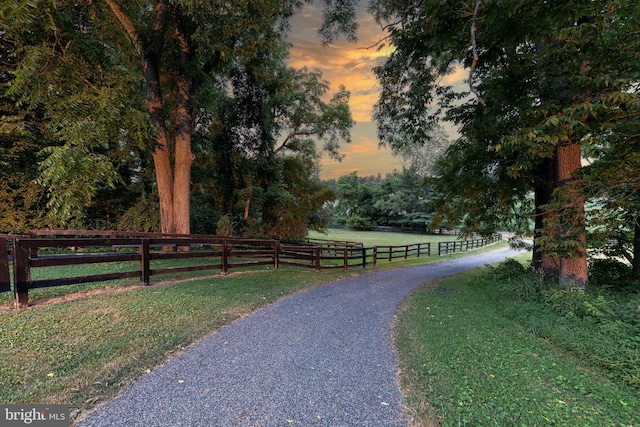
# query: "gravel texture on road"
[[324, 357]]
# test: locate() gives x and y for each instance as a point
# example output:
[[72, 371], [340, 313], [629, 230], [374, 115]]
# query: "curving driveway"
[[321, 358]]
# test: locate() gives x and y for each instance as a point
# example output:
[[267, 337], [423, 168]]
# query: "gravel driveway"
[[321, 358]]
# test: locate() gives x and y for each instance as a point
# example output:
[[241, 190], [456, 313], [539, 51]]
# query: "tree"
[[22, 136], [175, 49], [423, 156], [257, 136], [67, 79], [544, 79], [402, 199], [355, 200], [612, 182], [122, 75]]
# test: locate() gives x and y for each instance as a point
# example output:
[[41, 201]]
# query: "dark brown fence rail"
[[390, 253], [151, 254], [217, 253], [6, 254], [445, 248]]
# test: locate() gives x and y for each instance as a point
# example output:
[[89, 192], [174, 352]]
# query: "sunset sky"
[[349, 64]]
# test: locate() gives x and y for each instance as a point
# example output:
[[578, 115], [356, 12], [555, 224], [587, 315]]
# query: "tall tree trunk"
[[161, 152], [573, 265], [184, 115], [164, 180], [150, 53], [174, 185], [183, 159], [543, 192]]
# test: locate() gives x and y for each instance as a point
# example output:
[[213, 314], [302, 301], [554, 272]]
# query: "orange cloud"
[[363, 155], [351, 65], [342, 62]]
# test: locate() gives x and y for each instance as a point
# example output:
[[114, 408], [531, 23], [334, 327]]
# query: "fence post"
[[429, 249], [225, 256], [317, 259], [406, 252], [346, 257], [364, 257], [5, 279], [20, 274], [145, 264], [276, 254], [375, 256]]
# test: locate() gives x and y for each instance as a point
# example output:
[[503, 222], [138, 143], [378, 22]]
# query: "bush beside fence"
[[80, 247]]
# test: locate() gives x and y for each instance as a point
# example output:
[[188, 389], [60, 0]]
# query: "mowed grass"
[[83, 351], [466, 362], [381, 238]]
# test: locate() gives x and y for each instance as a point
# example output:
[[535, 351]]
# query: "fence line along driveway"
[[321, 358], [83, 247]]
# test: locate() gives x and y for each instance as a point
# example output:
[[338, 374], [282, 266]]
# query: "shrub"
[[515, 281], [224, 227], [602, 326], [610, 273]]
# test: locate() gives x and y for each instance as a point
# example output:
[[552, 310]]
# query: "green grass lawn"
[[465, 361], [381, 238]]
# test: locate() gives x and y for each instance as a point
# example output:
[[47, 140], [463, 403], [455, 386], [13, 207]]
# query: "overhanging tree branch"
[[476, 57]]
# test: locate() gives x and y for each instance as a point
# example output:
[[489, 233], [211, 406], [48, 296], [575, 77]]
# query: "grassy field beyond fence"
[[170, 269], [380, 238]]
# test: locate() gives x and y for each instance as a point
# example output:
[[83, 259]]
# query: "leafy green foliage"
[[113, 81], [400, 199], [601, 326], [260, 141], [68, 72], [541, 76], [60, 170], [359, 223]]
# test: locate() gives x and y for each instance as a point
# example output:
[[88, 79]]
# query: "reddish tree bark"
[[635, 263], [573, 265], [174, 184]]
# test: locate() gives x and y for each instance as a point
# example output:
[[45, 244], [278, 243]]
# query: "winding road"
[[324, 357]]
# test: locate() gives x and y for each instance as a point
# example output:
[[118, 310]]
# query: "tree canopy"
[[123, 87], [545, 82]]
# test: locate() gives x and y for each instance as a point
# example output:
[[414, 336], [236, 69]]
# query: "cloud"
[[363, 155], [342, 63], [351, 65]]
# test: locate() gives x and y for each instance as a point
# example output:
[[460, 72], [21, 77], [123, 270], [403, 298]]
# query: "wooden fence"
[[445, 248], [6, 253], [149, 254], [389, 253]]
